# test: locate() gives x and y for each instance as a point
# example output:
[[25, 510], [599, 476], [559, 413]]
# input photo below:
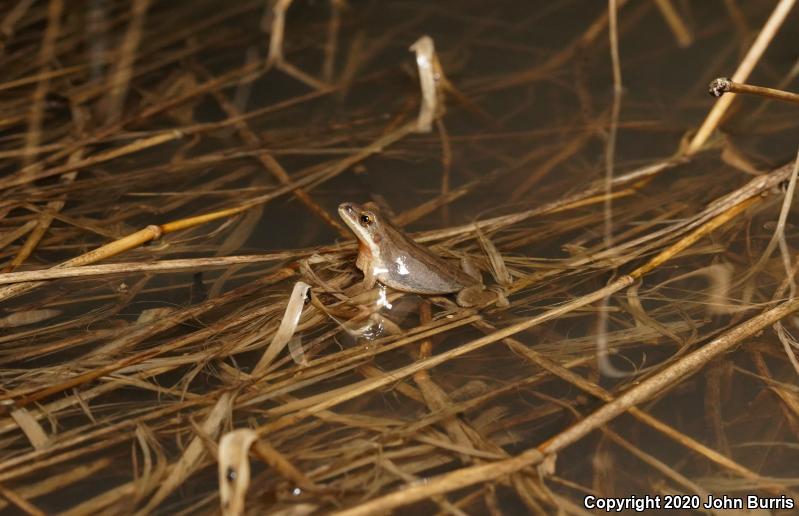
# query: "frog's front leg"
[[365, 264], [369, 280]]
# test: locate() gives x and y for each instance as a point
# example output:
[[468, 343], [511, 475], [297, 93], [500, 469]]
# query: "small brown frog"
[[388, 255]]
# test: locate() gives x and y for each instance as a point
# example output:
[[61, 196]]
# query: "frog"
[[388, 255]]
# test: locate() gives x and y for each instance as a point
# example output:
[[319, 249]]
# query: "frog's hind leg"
[[475, 295]]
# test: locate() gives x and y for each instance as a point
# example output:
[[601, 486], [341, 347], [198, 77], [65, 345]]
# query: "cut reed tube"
[[722, 85]]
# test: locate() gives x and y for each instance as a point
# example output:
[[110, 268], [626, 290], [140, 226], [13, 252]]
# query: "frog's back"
[[412, 268]]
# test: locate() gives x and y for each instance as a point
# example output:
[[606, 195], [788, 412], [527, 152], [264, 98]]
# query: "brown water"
[[527, 125]]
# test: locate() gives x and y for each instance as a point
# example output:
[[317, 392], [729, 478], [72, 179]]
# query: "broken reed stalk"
[[722, 85], [430, 76], [746, 66]]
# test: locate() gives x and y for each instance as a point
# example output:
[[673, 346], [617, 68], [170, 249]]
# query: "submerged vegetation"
[[180, 324]]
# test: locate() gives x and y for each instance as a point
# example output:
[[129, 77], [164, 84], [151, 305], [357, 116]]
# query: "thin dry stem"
[[746, 66]]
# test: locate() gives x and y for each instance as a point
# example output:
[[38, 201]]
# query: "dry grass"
[[171, 169]]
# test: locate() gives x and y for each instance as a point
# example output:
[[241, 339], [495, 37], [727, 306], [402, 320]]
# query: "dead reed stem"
[[746, 66], [130, 267], [722, 85]]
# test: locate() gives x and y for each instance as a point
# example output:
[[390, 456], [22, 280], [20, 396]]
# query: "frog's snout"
[[346, 207]]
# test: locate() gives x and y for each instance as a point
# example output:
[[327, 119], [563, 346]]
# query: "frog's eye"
[[365, 220]]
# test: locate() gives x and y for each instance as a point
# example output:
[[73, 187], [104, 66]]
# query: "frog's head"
[[366, 222]]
